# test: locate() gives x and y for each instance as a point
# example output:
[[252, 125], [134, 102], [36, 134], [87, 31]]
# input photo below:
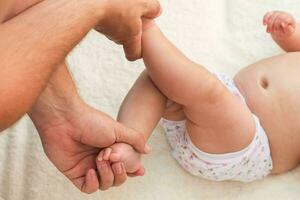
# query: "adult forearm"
[[58, 99], [18, 6], [5, 6], [33, 44], [60, 93]]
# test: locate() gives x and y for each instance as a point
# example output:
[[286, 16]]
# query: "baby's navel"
[[264, 82]]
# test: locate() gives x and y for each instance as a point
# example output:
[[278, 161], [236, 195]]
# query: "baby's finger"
[[290, 29], [271, 23], [283, 26], [278, 27], [266, 17], [107, 153], [290, 20]]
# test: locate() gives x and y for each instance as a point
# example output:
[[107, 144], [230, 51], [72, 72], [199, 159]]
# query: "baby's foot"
[[121, 152], [279, 24]]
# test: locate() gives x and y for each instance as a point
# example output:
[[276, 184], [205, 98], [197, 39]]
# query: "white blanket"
[[224, 35]]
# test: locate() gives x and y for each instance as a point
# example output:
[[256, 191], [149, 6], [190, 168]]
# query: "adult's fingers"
[[106, 175], [120, 173], [133, 48], [132, 137], [152, 9], [91, 183]]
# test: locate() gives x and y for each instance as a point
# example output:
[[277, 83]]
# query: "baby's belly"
[[271, 88]]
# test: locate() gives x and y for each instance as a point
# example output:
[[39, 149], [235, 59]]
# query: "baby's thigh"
[[222, 125], [173, 111]]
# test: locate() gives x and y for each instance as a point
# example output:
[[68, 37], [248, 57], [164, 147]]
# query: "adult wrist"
[[99, 8], [53, 107]]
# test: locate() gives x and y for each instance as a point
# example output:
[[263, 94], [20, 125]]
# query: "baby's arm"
[[284, 30]]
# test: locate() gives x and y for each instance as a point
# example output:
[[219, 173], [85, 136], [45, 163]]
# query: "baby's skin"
[[122, 152], [176, 88]]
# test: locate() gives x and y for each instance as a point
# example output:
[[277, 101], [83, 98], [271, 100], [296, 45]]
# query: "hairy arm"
[[16, 7], [5, 6], [33, 44]]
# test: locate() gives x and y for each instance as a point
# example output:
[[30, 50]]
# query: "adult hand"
[[122, 23], [73, 138]]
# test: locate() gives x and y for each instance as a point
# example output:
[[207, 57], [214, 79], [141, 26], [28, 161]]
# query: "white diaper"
[[252, 163]]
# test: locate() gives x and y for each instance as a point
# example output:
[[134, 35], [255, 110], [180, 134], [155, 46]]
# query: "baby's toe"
[[107, 153], [139, 172], [115, 157], [100, 156]]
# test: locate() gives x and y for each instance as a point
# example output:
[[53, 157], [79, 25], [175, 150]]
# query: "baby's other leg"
[[143, 106], [217, 120], [141, 110]]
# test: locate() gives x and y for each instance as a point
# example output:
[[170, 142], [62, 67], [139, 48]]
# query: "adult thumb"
[[152, 9], [133, 48], [131, 137]]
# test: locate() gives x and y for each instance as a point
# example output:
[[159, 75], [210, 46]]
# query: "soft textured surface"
[[224, 35]]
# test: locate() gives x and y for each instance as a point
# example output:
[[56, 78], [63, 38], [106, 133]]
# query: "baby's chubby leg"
[[141, 110], [217, 121], [143, 106]]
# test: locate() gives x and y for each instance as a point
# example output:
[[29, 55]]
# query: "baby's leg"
[[217, 121], [143, 106], [141, 110]]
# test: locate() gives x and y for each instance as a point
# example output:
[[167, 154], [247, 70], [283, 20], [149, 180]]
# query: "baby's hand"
[[121, 152], [280, 24]]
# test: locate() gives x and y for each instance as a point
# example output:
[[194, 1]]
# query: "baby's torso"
[[271, 88]]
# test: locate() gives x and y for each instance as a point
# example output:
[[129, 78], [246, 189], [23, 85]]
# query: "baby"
[[219, 128]]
